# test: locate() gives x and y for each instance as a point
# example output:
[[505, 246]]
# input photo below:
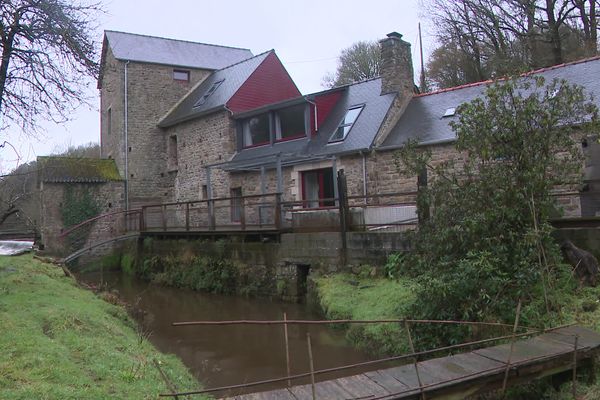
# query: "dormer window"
[[274, 126], [256, 130], [208, 93], [344, 128], [181, 75], [289, 123]]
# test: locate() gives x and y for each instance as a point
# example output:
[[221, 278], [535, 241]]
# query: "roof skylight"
[[342, 131], [208, 93], [450, 112]]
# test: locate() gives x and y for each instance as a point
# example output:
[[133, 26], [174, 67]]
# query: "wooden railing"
[[253, 212]]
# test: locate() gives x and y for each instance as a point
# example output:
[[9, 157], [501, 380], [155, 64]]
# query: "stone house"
[[189, 121], [72, 190]]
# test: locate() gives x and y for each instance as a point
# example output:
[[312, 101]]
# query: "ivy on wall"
[[79, 204]]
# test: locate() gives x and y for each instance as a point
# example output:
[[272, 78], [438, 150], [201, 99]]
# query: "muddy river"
[[229, 355]]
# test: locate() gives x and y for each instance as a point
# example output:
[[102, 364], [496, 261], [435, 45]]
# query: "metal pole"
[[287, 348], [312, 367], [512, 346]]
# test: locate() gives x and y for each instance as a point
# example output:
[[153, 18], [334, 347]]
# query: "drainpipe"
[[126, 141]]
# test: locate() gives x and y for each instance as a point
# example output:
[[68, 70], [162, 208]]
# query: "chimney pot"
[[394, 35]]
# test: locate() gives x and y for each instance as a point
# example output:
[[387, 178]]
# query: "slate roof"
[[233, 77], [360, 137], [158, 50], [77, 170], [422, 120]]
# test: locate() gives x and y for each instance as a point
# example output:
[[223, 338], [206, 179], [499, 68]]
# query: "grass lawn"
[[58, 341], [347, 296]]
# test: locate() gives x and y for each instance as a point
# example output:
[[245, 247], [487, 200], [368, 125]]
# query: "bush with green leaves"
[[487, 243]]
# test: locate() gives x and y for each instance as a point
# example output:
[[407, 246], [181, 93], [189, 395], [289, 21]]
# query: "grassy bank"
[[347, 296], [58, 341], [351, 296]]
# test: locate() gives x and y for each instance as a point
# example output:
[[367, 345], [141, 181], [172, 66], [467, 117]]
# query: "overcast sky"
[[307, 35]]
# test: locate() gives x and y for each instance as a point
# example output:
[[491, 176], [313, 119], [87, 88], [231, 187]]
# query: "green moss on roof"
[[78, 170]]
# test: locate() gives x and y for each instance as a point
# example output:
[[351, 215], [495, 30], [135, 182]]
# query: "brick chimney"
[[396, 66]]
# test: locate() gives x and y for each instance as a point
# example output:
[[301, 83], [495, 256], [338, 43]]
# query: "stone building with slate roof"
[[63, 182], [188, 121]]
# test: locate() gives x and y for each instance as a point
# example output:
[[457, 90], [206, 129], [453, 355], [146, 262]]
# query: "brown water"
[[229, 355]]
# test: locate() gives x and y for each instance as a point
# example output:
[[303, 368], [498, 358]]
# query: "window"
[[449, 112], [236, 204], [289, 122], [256, 130], [210, 91], [316, 186], [342, 131], [204, 192], [173, 162], [181, 75], [109, 121]]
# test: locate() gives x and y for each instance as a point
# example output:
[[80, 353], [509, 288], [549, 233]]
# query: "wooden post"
[[169, 384], [277, 215], [416, 364], [343, 211], [574, 388], [512, 346], [187, 216], [242, 213], [287, 348], [312, 367], [141, 222], [164, 217], [211, 215]]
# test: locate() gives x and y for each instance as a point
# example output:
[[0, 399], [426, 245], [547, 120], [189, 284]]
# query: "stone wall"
[[108, 196], [280, 269], [202, 142], [151, 93]]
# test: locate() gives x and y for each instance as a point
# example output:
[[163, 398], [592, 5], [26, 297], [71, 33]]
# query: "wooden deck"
[[457, 376]]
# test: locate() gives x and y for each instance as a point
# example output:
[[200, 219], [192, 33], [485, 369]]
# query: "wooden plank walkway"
[[456, 376]]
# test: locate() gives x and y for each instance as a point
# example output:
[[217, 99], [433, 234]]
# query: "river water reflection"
[[229, 355]]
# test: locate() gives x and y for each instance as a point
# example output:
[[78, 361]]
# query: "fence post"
[[343, 211], [512, 346], [574, 387], [415, 359], [312, 367], [277, 215], [242, 213], [143, 223], [187, 216], [141, 220], [211, 214], [423, 211], [164, 217]]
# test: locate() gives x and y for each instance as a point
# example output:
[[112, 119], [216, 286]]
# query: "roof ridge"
[[344, 86], [243, 61], [521, 75], [177, 40]]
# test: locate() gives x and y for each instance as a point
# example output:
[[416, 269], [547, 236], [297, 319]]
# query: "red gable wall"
[[325, 104], [269, 83]]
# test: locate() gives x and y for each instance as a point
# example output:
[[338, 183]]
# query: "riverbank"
[[356, 296], [59, 341], [349, 296]]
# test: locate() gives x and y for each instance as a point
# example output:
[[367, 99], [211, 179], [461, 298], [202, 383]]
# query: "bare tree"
[[48, 50], [500, 37], [356, 63]]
